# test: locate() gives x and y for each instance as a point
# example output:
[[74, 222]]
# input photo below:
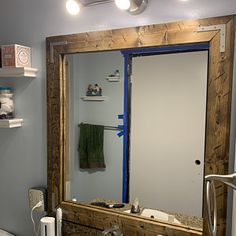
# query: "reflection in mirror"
[[96, 180], [168, 113], [167, 133]]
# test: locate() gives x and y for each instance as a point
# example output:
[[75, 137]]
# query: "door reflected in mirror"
[[167, 110]]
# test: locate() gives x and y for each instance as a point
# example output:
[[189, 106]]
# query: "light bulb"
[[73, 7], [123, 4]]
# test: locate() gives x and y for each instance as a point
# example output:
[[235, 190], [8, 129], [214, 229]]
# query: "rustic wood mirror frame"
[[79, 218]]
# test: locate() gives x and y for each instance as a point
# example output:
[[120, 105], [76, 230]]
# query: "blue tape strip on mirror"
[[120, 134]]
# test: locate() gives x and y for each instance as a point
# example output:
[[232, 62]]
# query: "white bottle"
[[47, 226], [59, 221]]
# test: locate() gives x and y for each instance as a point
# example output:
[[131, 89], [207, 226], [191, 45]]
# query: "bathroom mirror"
[[161, 37], [158, 94]]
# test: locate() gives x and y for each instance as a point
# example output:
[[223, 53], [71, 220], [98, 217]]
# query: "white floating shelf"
[[113, 78], [18, 72], [94, 98], [11, 123]]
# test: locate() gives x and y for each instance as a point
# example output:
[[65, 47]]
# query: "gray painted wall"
[[28, 22]]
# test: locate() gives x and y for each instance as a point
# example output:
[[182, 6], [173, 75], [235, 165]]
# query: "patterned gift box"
[[15, 56]]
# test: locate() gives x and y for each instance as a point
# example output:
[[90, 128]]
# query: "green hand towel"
[[91, 146]]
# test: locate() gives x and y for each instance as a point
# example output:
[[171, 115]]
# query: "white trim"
[[11, 123], [18, 72]]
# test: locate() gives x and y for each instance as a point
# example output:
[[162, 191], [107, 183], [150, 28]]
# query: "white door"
[[168, 111]]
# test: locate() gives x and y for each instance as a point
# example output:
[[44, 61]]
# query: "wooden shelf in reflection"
[[94, 98]]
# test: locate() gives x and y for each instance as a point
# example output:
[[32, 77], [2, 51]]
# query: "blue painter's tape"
[[166, 49], [121, 116], [121, 127], [125, 130], [120, 134]]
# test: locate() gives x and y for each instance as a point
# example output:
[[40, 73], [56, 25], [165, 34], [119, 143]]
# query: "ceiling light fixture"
[[133, 7], [123, 4], [137, 6], [73, 7]]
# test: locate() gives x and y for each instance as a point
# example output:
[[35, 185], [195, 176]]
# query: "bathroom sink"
[[158, 215]]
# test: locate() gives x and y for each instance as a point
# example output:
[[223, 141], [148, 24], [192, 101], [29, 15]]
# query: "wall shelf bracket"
[[215, 27]]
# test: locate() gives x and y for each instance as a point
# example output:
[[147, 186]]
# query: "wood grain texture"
[[92, 220], [129, 224]]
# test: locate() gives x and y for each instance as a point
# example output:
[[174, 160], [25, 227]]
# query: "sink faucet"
[[114, 231]]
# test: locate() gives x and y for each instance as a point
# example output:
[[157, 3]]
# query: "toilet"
[[5, 233]]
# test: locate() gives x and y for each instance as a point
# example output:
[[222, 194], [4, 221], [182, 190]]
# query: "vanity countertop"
[[191, 221]]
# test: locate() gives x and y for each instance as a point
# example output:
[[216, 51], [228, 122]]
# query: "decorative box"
[[16, 56]]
